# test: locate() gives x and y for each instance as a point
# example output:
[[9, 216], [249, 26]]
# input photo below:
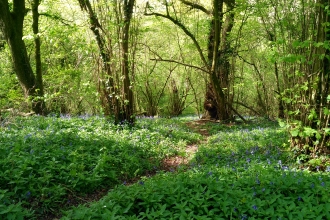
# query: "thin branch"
[[153, 51], [252, 64], [163, 89], [57, 18], [196, 6], [153, 68], [172, 61], [185, 30], [184, 64], [239, 33], [195, 96], [248, 107], [238, 114]]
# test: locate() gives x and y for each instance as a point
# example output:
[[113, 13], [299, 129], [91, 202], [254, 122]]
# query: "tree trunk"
[[312, 102], [217, 100], [11, 24], [119, 97], [218, 103], [128, 102], [39, 104], [279, 91], [323, 81], [108, 100]]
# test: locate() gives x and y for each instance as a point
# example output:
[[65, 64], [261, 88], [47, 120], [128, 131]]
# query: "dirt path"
[[173, 163]]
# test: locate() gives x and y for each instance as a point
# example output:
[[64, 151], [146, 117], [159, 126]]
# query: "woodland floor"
[[155, 169], [169, 164]]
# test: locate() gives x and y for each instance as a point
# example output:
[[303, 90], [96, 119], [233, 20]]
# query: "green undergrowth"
[[241, 172], [46, 160], [216, 193]]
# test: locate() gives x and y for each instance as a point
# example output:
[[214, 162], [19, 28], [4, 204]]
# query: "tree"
[[299, 33], [218, 95], [127, 110], [11, 24], [218, 101], [117, 91], [37, 42]]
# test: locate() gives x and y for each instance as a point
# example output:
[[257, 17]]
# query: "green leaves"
[[312, 115], [295, 132], [11, 210], [219, 187], [240, 171], [52, 157]]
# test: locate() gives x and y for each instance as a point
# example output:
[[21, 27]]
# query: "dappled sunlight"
[[49, 160], [161, 168], [238, 173]]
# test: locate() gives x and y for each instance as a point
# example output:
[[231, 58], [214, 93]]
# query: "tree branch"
[[236, 112], [57, 18], [184, 64], [252, 64], [185, 30], [248, 107], [154, 52], [196, 6]]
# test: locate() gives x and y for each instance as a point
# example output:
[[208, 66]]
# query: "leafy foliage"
[[10, 95], [43, 160], [278, 66], [242, 172]]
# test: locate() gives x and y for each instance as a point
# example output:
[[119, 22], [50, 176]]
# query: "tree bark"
[[322, 91]]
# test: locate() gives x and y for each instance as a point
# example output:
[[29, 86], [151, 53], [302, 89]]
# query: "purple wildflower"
[[28, 194]]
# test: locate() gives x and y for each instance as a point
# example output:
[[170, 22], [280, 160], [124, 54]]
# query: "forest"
[[164, 109]]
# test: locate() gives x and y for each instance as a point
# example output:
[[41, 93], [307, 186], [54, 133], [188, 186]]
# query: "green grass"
[[239, 172]]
